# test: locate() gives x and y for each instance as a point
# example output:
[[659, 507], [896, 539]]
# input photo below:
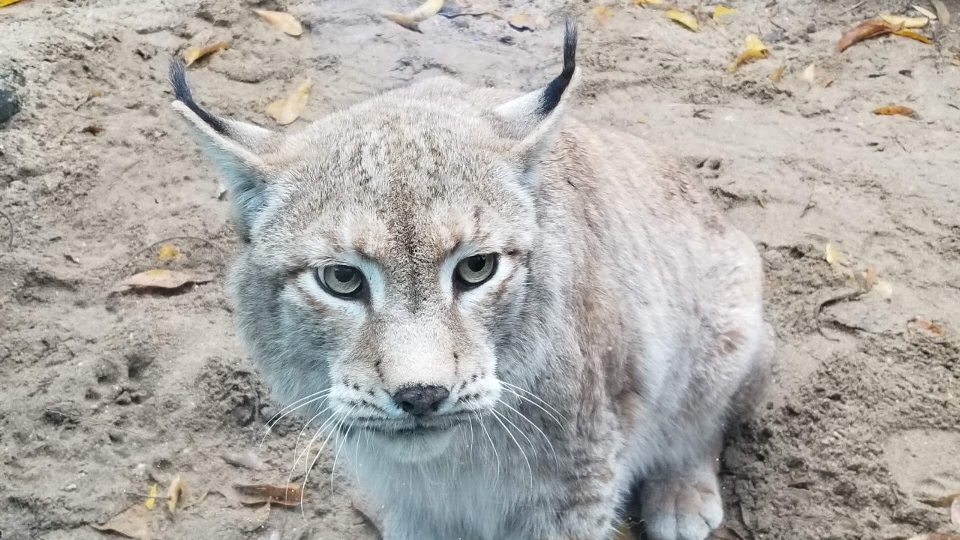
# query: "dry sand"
[[101, 396]]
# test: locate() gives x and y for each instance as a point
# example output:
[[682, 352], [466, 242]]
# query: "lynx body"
[[502, 319]]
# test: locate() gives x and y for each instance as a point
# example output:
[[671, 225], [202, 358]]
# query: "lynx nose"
[[420, 399]]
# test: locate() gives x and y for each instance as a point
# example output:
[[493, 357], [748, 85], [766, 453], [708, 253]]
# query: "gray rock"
[[9, 104]]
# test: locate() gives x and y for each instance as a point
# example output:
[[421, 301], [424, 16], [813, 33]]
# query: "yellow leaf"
[[412, 19], [778, 73], [152, 498], [602, 14], [753, 49], [281, 21], [891, 110], [176, 491], [942, 13], [914, 35], [925, 12], [5, 3], [193, 54], [833, 254], [683, 18], [286, 110], [721, 14], [905, 22], [168, 252]]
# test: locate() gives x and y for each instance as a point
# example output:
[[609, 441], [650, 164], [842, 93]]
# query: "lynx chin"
[[510, 319]]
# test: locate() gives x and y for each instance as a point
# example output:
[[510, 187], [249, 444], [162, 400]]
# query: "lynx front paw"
[[684, 507]]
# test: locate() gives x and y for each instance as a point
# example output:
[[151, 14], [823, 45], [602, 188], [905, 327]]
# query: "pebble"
[[9, 104]]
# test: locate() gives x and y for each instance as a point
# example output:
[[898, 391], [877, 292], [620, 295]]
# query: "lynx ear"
[[234, 147], [538, 113]]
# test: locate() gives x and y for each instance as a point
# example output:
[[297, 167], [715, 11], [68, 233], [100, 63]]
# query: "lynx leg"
[[686, 506]]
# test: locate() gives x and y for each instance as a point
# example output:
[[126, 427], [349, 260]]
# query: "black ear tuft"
[[178, 78], [554, 91]]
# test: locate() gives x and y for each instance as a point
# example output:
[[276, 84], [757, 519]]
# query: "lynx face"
[[386, 254]]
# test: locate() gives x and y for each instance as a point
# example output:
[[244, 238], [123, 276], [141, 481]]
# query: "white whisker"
[[536, 427], [496, 416], [489, 438]]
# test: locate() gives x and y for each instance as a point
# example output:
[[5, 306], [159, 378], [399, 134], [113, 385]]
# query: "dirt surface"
[[102, 395]]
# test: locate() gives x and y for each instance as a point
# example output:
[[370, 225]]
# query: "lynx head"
[[385, 251]]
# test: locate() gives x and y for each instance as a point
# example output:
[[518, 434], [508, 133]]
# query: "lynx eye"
[[340, 280], [475, 270]]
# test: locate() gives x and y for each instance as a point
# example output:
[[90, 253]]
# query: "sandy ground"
[[103, 395]]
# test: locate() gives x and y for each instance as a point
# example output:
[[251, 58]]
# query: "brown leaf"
[[284, 22], [134, 522], [917, 324], [778, 73], [891, 110], [283, 494], [175, 493], [865, 30], [942, 502], [914, 35], [93, 129], [286, 110], [412, 19], [870, 277], [942, 12], [161, 279], [245, 459], [192, 54]]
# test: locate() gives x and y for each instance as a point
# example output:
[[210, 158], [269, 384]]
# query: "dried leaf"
[[245, 459], [955, 512], [601, 14], [917, 324], [870, 277], [283, 494], [284, 22], [648, 2], [778, 73], [942, 502], [683, 18], [914, 35], [721, 14], [905, 22], [134, 522], [834, 255], [175, 493], [942, 13], [93, 129], [925, 12], [525, 22], [161, 279], [935, 536], [412, 19], [5, 3], [152, 497], [810, 74], [169, 252], [192, 54], [753, 49], [286, 110], [865, 30], [891, 110]]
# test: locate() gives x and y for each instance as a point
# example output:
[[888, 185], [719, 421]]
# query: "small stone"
[[9, 104], [71, 487], [811, 28]]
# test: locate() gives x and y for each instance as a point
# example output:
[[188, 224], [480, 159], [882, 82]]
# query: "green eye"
[[340, 280], [475, 270]]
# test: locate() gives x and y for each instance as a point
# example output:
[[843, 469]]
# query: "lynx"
[[511, 320]]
